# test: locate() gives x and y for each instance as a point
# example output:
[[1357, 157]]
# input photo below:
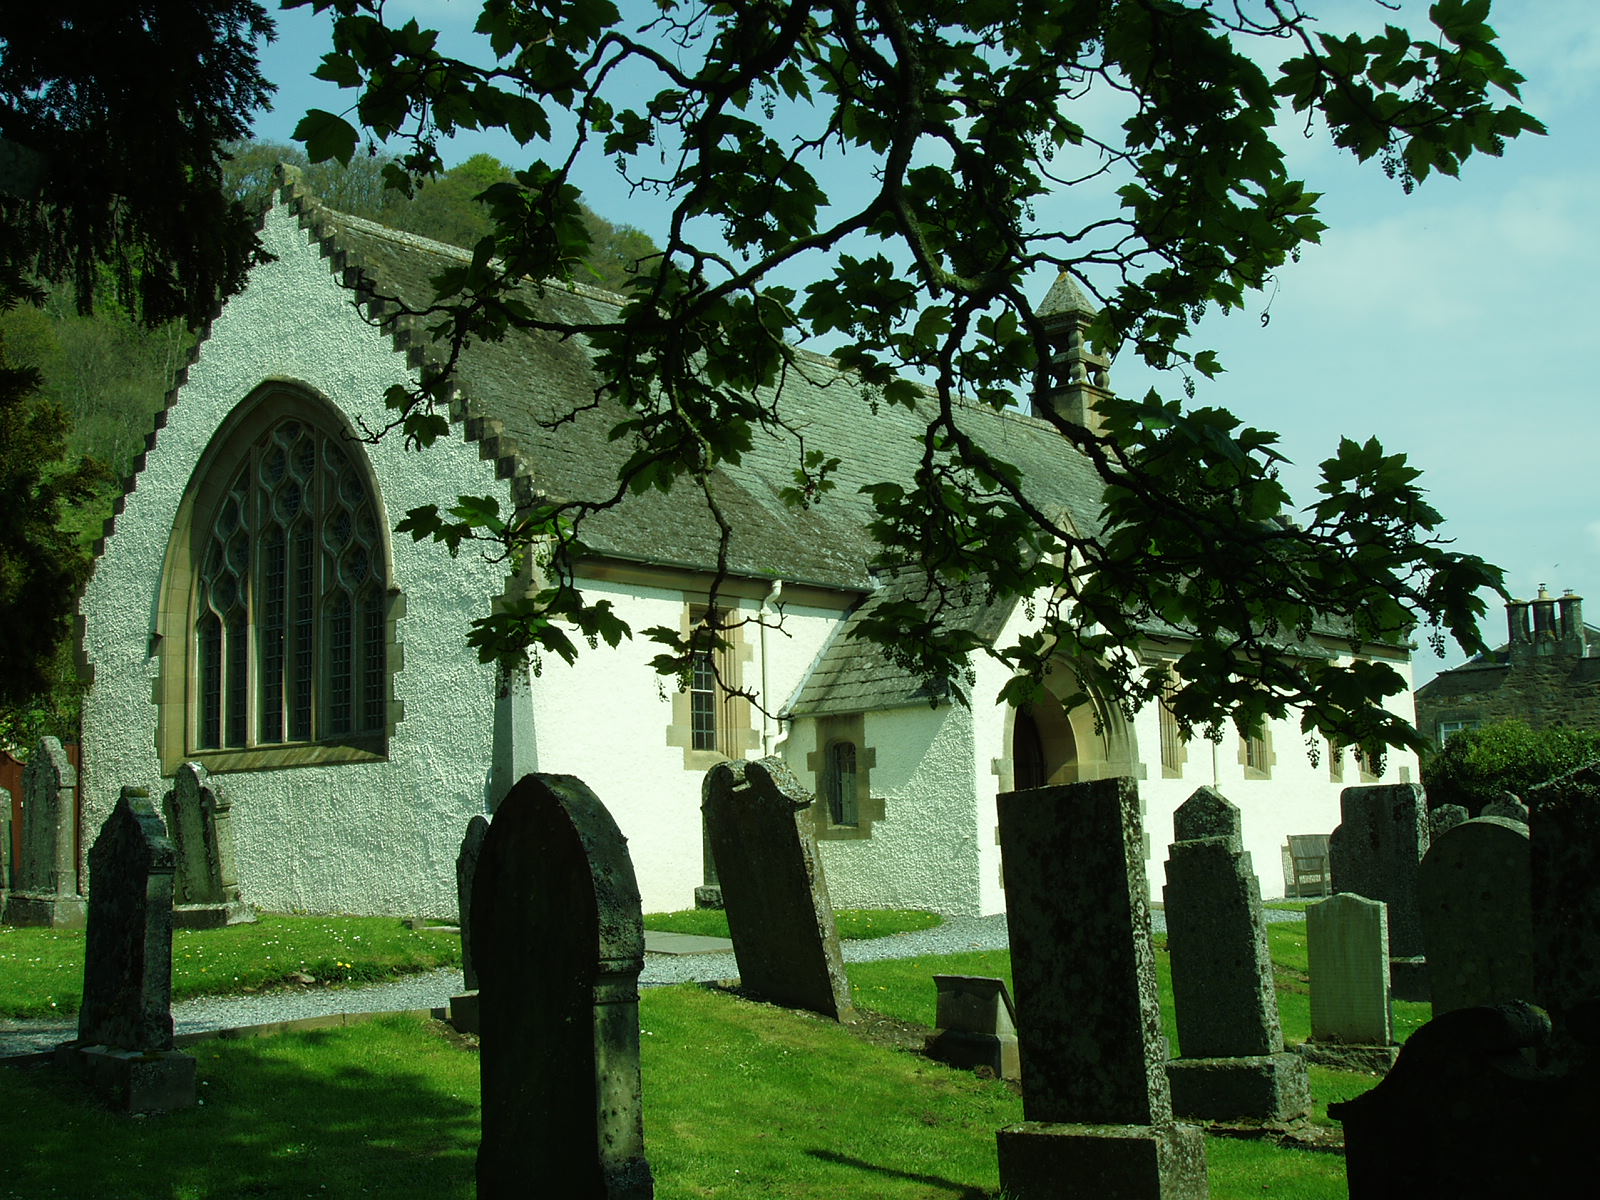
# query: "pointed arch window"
[[289, 602]]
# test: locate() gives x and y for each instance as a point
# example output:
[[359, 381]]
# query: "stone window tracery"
[[289, 600]]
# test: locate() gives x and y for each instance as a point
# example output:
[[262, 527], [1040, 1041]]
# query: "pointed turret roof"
[[1066, 298]]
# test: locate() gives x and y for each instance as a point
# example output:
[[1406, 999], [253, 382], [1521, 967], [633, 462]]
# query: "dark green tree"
[[41, 567], [112, 118], [962, 120], [1477, 766]]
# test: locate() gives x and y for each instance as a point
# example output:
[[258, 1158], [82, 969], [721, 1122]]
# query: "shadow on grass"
[[960, 1191], [300, 1115]]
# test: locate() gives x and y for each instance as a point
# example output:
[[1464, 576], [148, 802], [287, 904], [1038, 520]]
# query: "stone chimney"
[[1556, 628], [1572, 636], [1079, 378]]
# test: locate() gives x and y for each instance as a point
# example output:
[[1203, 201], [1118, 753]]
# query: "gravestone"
[[558, 944], [1352, 1021], [1095, 1098], [200, 824], [1446, 816], [1234, 1065], [1375, 852], [1469, 1113], [773, 888], [1476, 893], [975, 1026], [1509, 807], [124, 1045], [1564, 841], [44, 879], [464, 1008], [5, 846]]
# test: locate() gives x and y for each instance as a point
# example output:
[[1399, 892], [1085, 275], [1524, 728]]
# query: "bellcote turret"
[[1079, 379]]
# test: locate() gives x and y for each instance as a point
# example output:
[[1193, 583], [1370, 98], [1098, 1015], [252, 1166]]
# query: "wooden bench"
[[1306, 870]]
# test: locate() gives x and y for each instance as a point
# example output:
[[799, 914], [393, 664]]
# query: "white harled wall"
[[360, 838], [606, 719], [923, 852], [1298, 797]]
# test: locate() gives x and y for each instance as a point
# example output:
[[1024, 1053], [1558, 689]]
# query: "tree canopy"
[[917, 163], [445, 208], [111, 121]]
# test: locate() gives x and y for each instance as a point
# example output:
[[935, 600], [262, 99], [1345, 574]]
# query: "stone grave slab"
[[1375, 852], [200, 824], [1095, 1100], [44, 883], [1564, 844], [124, 1047], [1476, 893], [464, 1008], [773, 886], [1233, 1064], [975, 1026]]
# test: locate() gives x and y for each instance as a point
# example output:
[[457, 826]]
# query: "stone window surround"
[[175, 687], [1258, 747], [831, 731], [736, 734]]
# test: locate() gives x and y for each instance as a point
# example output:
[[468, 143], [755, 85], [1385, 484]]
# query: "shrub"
[[1480, 765]]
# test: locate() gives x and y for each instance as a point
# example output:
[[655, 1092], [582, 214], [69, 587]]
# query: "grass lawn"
[[742, 1100], [41, 970]]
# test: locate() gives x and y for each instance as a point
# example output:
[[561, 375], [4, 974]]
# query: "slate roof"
[[513, 389], [511, 392]]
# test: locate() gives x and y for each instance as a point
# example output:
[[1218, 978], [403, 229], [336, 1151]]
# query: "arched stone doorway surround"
[[1045, 743]]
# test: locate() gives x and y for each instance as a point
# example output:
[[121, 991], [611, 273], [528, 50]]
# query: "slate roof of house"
[[1475, 674]]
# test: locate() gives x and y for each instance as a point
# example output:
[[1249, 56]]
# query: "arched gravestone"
[[558, 944], [1476, 892]]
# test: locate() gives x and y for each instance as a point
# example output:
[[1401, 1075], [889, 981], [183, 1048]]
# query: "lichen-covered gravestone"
[[1234, 1064], [1508, 806], [1375, 852], [1098, 1112], [124, 1045], [200, 824], [464, 1008], [1352, 1020], [558, 944], [1476, 892], [773, 888], [44, 885], [1446, 816], [1564, 832]]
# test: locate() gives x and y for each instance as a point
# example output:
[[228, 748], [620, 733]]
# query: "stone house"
[[1547, 674], [251, 610]]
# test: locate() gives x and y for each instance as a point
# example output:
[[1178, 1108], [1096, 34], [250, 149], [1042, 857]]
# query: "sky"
[[1457, 324]]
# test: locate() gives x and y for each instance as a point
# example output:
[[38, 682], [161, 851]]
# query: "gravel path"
[[433, 989]]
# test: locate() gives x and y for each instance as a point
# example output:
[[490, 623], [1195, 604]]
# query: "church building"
[[252, 610]]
